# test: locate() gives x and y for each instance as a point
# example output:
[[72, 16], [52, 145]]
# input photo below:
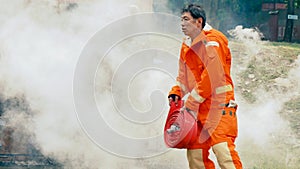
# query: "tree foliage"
[[226, 14]]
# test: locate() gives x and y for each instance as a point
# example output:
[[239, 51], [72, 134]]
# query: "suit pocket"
[[228, 122]]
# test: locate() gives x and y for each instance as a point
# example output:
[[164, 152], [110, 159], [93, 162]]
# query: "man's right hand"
[[174, 98]]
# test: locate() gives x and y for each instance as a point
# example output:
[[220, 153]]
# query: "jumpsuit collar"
[[187, 40], [207, 27], [199, 38]]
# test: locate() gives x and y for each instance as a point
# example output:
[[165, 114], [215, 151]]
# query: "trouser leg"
[[227, 157], [223, 137], [198, 159]]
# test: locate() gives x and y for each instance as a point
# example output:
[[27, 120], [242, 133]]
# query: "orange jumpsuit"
[[204, 73]]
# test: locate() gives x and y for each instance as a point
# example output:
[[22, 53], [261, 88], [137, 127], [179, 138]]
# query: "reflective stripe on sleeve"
[[182, 86], [223, 89], [212, 43], [197, 97]]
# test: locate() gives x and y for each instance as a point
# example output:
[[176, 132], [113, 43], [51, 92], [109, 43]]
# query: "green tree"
[[224, 14]]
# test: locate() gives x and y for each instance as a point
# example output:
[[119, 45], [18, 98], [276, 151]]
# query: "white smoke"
[[40, 42], [40, 45], [262, 128]]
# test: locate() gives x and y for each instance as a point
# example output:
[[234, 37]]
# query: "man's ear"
[[199, 22]]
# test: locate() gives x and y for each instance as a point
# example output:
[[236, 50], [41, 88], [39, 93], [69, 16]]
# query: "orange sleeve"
[[181, 88]]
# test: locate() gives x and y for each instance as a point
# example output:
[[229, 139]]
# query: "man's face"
[[189, 25]]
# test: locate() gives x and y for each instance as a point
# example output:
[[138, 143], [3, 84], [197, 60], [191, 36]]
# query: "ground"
[[268, 73]]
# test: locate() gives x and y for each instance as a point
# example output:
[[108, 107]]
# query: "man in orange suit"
[[204, 74]]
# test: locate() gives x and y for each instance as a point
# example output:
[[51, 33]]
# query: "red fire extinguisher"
[[180, 127]]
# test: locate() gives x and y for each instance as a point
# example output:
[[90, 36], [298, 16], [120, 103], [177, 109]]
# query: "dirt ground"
[[268, 73]]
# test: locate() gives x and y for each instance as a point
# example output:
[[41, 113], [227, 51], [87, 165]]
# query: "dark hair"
[[196, 11]]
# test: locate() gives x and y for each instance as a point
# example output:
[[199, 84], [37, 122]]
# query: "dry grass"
[[267, 66]]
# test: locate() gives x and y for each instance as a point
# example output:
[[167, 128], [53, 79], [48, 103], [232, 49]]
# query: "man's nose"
[[182, 23]]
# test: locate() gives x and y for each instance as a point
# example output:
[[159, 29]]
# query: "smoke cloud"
[[40, 43], [265, 83]]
